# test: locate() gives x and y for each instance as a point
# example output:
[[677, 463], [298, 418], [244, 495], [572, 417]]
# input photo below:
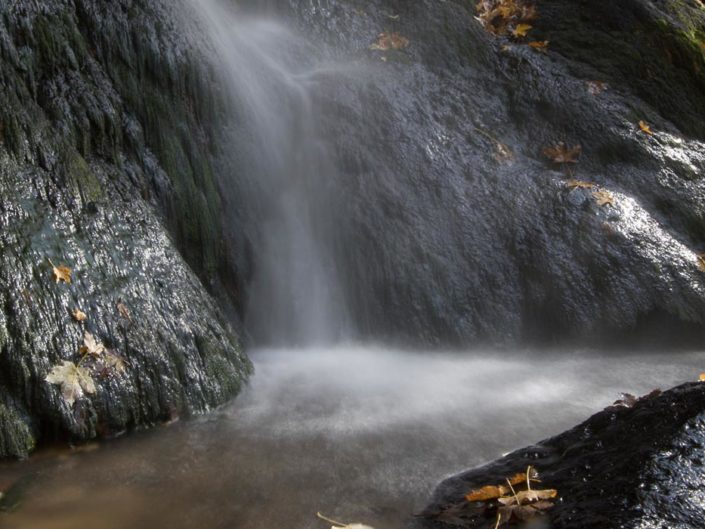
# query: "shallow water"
[[360, 434]]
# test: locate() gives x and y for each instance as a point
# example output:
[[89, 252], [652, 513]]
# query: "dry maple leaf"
[[644, 127], [560, 153], [79, 315], [91, 346], [604, 198], [579, 184], [390, 41], [75, 381], [61, 273], [540, 45], [528, 496]]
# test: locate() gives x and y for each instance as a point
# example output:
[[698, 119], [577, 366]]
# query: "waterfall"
[[282, 177]]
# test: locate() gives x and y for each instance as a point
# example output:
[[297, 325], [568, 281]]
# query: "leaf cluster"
[[506, 17]]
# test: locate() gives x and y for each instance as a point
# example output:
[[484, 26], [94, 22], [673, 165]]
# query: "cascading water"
[[282, 178]]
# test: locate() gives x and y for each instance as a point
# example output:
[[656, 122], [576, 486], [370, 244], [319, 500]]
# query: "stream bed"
[[360, 434]]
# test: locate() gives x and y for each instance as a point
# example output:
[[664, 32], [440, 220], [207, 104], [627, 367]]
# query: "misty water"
[[361, 434], [358, 433]]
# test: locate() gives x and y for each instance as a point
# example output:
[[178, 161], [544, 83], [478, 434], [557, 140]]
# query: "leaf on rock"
[[75, 381], [529, 496], [124, 311], [489, 492], [114, 361], [521, 30], [79, 315], [596, 87], [539, 45], [390, 41], [645, 128], [579, 184], [604, 198], [61, 273], [701, 262], [560, 153], [91, 346]]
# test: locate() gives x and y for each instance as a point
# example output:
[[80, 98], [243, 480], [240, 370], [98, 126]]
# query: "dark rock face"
[[442, 240], [105, 167], [622, 468]]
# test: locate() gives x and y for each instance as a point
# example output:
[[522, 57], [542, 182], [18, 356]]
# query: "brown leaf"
[[489, 492], [701, 262], [91, 346], [390, 41], [560, 153], [579, 184], [540, 45], [79, 315], [529, 496], [645, 128], [604, 198], [596, 87], [124, 311], [61, 273], [74, 381]]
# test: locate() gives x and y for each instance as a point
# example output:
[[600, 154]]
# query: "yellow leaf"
[[61, 273], [539, 45], [521, 30], [579, 184], [702, 377], [604, 198], [79, 315], [645, 128]]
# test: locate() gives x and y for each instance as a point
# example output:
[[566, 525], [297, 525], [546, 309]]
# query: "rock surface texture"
[[104, 168], [627, 468]]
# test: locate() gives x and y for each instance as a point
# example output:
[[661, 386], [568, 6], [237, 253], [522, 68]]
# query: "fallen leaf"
[[521, 30], [645, 128], [604, 198], [596, 87], [579, 184], [114, 361], [390, 41], [540, 45], [75, 381], [560, 153], [61, 273], [701, 262], [79, 315], [489, 492], [123, 310], [529, 496], [91, 346]]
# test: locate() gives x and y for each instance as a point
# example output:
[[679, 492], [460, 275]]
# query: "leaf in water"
[[390, 41], [79, 315], [61, 273], [91, 346], [560, 153], [604, 198], [579, 184], [74, 381], [645, 128]]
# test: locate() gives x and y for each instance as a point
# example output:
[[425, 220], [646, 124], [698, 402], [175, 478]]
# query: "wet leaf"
[[596, 87], [528, 496], [540, 45], [644, 127], [560, 153], [75, 381], [489, 492], [114, 361], [79, 315], [521, 30], [579, 184], [91, 346], [701, 262], [124, 311], [604, 198], [61, 273], [390, 41]]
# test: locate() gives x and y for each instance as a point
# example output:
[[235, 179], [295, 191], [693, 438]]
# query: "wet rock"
[[625, 467], [105, 167]]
